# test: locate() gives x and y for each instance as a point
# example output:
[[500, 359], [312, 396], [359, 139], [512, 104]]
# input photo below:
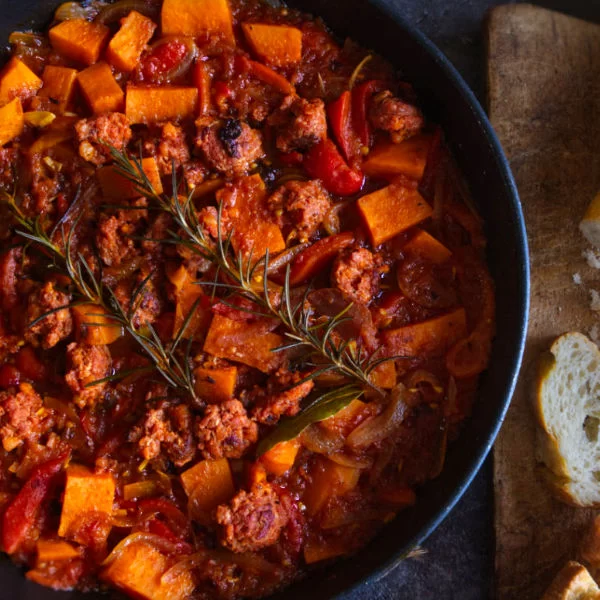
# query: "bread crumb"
[[592, 257], [595, 300], [577, 279], [594, 334]]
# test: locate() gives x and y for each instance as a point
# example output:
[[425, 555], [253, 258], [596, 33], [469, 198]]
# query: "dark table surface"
[[459, 563]]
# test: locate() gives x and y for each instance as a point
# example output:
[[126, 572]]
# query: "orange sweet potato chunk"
[[93, 328], [100, 88], [426, 247], [429, 338], [208, 483], [59, 86], [116, 186], [79, 40], [54, 550], [157, 104], [139, 569], [126, 46], [12, 121], [198, 18], [384, 376], [280, 459], [17, 80], [244, 342], [215, 385], [279, 45], [407, 158], [392, 210], [244, 204], [85, 492]]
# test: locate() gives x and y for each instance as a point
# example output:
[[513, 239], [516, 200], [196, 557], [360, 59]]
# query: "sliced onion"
[[354, 462], [184, 565], [118, 10], [379, 428], [285, 257], [160, 543], [316, 439], [74, 10], [26, 39]]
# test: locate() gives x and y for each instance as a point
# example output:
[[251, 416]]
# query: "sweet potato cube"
[[406, 158], [328, 479], [100, 88], [244, 342], [115, 186], [392, 210], [198, 18], [384, 375], [127, 45], [280, 459], [157, 104], [425, 246], [85, 492], [348, 418], [188, 296], [55, 550], [12, 121], [139, 569], [429, 338], [92, 328], [279, 45], [215, 385], [244, 200], [79, 40], [208, 484], [59, 86], [17, 80]]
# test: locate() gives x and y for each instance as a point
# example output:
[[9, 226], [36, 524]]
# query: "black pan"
[[448, 101]]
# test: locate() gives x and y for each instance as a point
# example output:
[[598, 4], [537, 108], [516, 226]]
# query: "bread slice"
[[590, 224], [573, 582], [567, 403]]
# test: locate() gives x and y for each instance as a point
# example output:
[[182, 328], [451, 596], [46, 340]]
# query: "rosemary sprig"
[[249, 279], [90, 288]]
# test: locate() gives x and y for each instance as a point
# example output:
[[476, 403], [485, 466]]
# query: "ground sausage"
[[282, 397], [229, 147], [8, 166], [86, 364], [356, 273], [10, 267], [168, 428], [148, 302], [225, 431], [171, 147], [22, 417], [110, 128], [253, 520], [299, 123], [57, 325], [300, 207], [400, 119]]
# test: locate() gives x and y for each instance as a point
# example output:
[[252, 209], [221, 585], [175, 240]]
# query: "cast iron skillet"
[[448, 101]]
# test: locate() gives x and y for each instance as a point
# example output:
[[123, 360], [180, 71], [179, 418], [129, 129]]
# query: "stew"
[[244, 300]]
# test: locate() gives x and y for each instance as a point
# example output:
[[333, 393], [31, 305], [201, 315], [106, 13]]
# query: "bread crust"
[[573, 582]]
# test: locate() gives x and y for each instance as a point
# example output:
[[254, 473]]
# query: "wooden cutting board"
[[544, 101]]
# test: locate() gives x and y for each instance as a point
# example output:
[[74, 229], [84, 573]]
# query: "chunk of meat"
[[54, 327], [8, 166], [168, 429], [400, 119], [300, 207], [169, 147], [114, 235], [229, 147], [356, 273], [252, 520], [149, 303], [10, 267], [225, 431], [299, 123], [23, 417], [93, 134], [85, 365], [282, 397], [194, 173]]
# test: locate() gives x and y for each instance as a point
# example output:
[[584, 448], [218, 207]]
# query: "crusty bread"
[[590, 224], [573, 582], [567, 403]]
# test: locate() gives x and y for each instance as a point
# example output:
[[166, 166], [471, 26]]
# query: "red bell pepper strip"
[[324, 162], [177, 520], [308, 263], [361, 99], [159, 528], [21, 513], [339, 114]]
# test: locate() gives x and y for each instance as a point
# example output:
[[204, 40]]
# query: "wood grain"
[[543, 91]]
